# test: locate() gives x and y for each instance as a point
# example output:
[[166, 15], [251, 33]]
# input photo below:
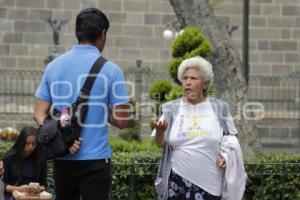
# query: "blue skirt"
[[180, 189]]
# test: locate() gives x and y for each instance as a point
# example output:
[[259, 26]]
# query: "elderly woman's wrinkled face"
[[193, 84]]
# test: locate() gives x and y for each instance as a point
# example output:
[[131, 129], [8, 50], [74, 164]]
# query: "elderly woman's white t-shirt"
[[195, 137]]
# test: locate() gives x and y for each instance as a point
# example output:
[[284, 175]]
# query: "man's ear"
[[100, 42], [103, 35]]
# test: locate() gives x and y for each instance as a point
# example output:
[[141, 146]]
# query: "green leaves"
[[189, 44], [134, 173], [132, 132], [175, 93], [4, 147], [159, 89], [273, 177], [191, 38], [122, 146]]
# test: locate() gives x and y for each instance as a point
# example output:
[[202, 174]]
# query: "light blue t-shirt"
[[60, 86]]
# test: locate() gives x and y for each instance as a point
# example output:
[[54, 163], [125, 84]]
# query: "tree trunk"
[[229, 80]]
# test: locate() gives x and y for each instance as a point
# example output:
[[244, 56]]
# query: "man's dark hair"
[[90, 23]]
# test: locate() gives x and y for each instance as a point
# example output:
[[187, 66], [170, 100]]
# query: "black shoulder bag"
[[56, 139]]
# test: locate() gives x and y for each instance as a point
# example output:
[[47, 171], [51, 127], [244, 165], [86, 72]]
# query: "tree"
[[229, 79]]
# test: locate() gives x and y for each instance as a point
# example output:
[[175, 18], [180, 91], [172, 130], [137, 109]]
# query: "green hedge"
[[273, 176], [133, 175], [122, 146], [270, 177], [134, 167], [4, 147]]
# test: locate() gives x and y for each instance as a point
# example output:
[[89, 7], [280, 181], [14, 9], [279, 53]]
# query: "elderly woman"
[[192, 130]]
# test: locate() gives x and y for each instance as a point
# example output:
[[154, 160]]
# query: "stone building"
[[136, 33]]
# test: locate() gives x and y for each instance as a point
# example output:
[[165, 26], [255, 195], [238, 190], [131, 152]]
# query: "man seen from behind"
[[86, 170]]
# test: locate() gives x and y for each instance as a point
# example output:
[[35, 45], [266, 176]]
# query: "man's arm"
[[41, 111], [119, 115]]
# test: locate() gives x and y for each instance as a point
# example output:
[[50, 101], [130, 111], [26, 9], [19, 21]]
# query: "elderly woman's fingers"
[[161, 125], [221, 161]]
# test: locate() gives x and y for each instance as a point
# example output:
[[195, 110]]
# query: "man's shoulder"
[[112, 65], [56, 61]]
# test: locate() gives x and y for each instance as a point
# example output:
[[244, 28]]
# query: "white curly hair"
[[199, 63]]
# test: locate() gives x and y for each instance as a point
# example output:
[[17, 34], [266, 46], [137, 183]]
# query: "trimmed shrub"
[[132, 132], [159, 89], [270, 177], [175, 93], [190, 43], [4, 147], [121, 146], [173, 68], [275, 181], [133, 175]]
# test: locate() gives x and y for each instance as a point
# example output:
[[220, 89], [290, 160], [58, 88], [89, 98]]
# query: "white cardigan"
[[234, 181]]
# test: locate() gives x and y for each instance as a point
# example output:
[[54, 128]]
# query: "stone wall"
[[274, 34], [274, 51], [136, 33]]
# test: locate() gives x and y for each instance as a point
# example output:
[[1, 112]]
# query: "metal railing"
[[136, 184], [142, 81], [133, 181], [266, 181], [17, 87], [279, 95], [284, 177]]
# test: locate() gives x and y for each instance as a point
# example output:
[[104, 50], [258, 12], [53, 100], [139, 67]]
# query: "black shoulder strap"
[[88, 84]]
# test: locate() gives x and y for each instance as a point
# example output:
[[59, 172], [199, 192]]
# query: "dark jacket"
[[11, 178]]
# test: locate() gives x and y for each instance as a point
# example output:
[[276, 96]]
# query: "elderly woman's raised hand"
[[161, 127]]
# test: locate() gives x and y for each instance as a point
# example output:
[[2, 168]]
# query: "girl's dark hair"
[[17, 150], [18, 147], [90, 23]]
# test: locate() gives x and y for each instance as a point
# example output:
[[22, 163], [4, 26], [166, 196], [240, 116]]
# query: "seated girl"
[[24, 165]]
